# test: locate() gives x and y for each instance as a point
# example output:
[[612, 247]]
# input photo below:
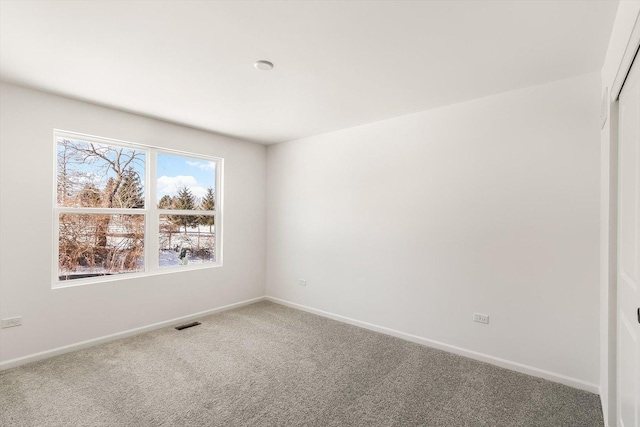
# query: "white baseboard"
[[95, 341], [503, 363], [508, 364]]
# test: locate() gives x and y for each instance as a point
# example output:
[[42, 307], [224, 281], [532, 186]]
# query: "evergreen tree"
[[185, 201], [130, 194], [90, 196], [166, 202], [109, 196], [208, 204], [167, 226]]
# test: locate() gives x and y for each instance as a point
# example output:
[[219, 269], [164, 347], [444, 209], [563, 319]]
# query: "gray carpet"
[[269, 365]]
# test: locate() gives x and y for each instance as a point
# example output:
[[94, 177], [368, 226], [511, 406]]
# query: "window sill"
[[61, 284]]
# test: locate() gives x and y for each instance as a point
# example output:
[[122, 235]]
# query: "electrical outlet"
[[12, 321], [480, 318], [302, 282]]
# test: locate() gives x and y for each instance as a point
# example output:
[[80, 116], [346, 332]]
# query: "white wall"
[[627, 15], [54, 318], [416, 222]]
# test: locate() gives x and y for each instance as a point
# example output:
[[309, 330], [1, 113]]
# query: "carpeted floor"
[[270, 365]]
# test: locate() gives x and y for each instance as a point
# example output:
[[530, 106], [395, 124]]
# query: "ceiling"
[[337, 63]]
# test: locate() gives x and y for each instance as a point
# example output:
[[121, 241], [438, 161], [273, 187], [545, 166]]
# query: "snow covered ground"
[[167, 257], [170, 258]]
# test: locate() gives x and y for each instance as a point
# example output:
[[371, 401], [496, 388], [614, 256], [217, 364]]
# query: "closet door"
[[629, 252]]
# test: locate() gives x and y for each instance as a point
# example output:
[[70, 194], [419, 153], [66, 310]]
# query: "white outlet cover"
[[480, 318], [302, 283], [11, 322]]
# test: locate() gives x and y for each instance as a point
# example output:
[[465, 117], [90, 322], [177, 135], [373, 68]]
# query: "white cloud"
[[169, 185], [87, 178], [198, 191], [203, 165]]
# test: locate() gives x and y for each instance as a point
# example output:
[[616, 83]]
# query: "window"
[[186, 205], [125, 209]]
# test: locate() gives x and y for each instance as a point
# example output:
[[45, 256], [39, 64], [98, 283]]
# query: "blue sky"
[[177, 171]]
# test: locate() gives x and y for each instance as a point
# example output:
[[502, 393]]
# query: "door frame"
[[631, 53], [620, 317]]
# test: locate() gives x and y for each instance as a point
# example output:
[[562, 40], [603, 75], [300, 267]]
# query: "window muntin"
[[109, 221]]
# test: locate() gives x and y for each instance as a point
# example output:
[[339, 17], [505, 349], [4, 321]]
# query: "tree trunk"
[[102, 228]]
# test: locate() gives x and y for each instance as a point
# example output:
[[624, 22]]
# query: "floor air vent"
[[187, 325]]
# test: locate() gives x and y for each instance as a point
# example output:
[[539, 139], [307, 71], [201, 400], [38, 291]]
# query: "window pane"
[[98, 175], [186, 239], [186, 183], [100, 245]]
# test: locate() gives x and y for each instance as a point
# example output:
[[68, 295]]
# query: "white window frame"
[[150, 212]]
